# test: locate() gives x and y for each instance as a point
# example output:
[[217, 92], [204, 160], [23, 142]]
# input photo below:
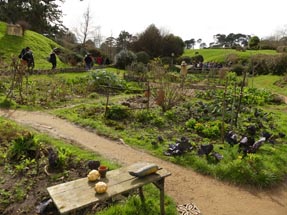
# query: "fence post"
[[107, 101], [148, 95]]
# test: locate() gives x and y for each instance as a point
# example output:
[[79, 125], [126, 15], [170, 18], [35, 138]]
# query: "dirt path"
[[185, 186]]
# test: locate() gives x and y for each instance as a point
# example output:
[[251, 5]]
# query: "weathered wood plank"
[[113, 177], [80, 193]]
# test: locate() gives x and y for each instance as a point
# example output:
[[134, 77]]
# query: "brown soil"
[[184, 185]]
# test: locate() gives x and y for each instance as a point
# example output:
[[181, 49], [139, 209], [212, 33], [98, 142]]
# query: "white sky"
[[184, 18]]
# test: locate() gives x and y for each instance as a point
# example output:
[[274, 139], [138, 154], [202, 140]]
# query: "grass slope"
[[11, 46], [219, 55], [268, 82]]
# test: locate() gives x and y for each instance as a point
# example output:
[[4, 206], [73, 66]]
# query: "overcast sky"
[[184, 18]]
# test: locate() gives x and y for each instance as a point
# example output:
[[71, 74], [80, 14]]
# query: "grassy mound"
[[219, 55], [11, 46]]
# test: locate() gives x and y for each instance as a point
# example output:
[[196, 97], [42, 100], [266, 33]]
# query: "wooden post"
[[148, 95], [107, 101], [141, 194], [160, 185], [223, 111], [240, 99]]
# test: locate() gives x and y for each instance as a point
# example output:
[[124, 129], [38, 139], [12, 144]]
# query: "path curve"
[[184, 185]]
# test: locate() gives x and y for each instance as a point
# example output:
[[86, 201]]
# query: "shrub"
[[238, 69], [258, 64], [281, 49], [117, 112], [191, 123], [264, 64], [158, 121], [6, 103], [93, 96], [232, 59], [197, 59], [187, 59], [209, 129], [279, 64], [254, 43], [143, 57], [24, 146], [170, 115], [124, 58], [70, 58], [102, 78], [137, 67], [145, 116]]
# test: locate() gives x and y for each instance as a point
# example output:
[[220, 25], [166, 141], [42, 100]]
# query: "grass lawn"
[[267, 82]]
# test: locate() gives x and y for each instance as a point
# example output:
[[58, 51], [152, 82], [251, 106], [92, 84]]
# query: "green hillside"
[[41, 46], [219, 55]]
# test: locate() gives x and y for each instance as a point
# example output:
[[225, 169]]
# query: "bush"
[[238, 69], [117, 112], [70, 58], [137, 67], [187, 59], [102, 78], [259, 65], [23, 147], [281, 49], [191, 123], [197, 59], [143, 57], [136, 72], [124, 58], [209, 129], [265, 64], [93, 95], [279, 64], [254, 43], [232, 59], [145, 116]]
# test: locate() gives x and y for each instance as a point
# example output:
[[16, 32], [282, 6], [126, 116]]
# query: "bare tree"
[[98, 38], [87, 30], [281, 33]]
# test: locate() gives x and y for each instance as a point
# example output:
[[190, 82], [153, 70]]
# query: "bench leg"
[[160, 185], [141, 194]]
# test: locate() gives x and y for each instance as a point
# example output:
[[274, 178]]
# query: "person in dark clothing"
[[53, 59], [27, 57], [24, 50], [88, 61], [107, 61]]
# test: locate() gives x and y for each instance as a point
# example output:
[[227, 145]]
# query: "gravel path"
[[184, 186]]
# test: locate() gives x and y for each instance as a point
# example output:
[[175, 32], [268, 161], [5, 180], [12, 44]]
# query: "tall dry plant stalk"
[[19, 73], [165, 93]]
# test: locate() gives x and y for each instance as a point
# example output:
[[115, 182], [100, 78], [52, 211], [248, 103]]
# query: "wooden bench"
[[77, 194]]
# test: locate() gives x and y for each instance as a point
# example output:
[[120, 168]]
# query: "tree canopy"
[[42, 16], [231, 40], [155, 44]]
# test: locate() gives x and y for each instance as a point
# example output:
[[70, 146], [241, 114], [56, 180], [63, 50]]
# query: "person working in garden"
[[23, 51], [27, 57]]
